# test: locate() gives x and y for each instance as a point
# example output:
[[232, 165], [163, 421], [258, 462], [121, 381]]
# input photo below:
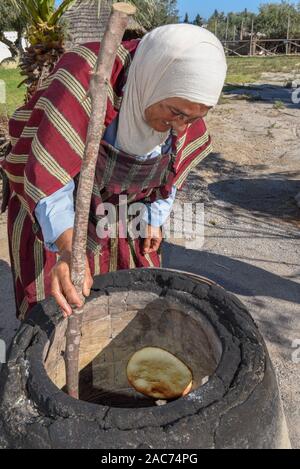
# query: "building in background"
[[84, 24]]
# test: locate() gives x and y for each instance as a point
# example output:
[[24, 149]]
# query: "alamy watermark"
[[2, 92], [296, 96], [296, 353], [185, 221], [2, 351]]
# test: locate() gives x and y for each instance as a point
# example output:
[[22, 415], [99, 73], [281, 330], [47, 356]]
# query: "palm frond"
[[46, 9], [41, 11], [60, 10]]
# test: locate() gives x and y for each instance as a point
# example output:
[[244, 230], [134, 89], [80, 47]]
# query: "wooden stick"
[[98, 93]]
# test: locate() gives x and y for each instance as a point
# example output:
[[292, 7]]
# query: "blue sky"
[[205, 8]]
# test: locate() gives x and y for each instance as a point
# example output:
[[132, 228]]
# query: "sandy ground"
[[251, 229], [252, 236]]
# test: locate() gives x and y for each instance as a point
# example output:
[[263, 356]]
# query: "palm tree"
[[45, 34]]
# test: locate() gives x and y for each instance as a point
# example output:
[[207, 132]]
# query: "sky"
[[206, 8]]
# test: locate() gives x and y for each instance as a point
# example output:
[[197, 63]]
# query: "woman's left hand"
[[153, 241]]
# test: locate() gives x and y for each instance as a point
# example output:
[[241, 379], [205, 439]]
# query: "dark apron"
[[118, 172]]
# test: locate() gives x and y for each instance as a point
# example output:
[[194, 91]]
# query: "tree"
[[217, 24], [198, 20], [12, 20], [273, 20], [237, 22], [186, 18]]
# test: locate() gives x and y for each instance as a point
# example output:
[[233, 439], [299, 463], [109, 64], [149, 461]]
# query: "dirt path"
[[252, 230], [252, 236]]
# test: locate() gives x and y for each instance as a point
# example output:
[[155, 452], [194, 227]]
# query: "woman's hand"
[[153, 241], [62, 287]]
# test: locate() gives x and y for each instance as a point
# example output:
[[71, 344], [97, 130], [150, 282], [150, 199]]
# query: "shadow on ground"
[[226, 169], [272, 196], [265, 92], [269, 196], [241, 278]]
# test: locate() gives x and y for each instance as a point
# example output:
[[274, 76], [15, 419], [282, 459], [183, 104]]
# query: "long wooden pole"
[[287, 50], [216, 27], [226, 31], [242, 30], [234, 32], [251, 41], [98, 93]]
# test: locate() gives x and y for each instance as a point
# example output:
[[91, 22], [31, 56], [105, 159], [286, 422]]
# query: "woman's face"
[[175, 113]]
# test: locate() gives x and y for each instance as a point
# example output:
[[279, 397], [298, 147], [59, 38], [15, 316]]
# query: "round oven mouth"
[[208, 328], [116, 325]]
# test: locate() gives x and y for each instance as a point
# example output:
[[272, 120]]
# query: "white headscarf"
[[173, 61]]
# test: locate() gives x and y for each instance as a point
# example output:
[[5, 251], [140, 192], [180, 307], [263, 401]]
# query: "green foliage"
[[278, 105], [14, 95], [199, 21], [238, 23], [41, 17], [40, 11], [250, 69], [271, 21], [10, 18]]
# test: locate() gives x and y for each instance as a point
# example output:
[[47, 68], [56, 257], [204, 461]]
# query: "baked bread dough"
[[157, 373]]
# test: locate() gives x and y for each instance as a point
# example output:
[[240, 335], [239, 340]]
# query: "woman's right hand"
[[62, 288]]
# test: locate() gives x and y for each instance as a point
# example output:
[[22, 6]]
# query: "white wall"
[[4, 50]]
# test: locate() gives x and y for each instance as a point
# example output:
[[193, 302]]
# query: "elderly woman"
[[161, 88]]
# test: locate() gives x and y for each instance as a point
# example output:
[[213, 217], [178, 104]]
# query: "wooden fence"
[[262, 47]]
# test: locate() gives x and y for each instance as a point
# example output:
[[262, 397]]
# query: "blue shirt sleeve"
[[158, 212], [55, 214]]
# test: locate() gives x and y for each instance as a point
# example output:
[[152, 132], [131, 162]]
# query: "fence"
[[262, 47]]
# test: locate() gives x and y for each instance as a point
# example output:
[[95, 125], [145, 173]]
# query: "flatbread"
[[157, 373]]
